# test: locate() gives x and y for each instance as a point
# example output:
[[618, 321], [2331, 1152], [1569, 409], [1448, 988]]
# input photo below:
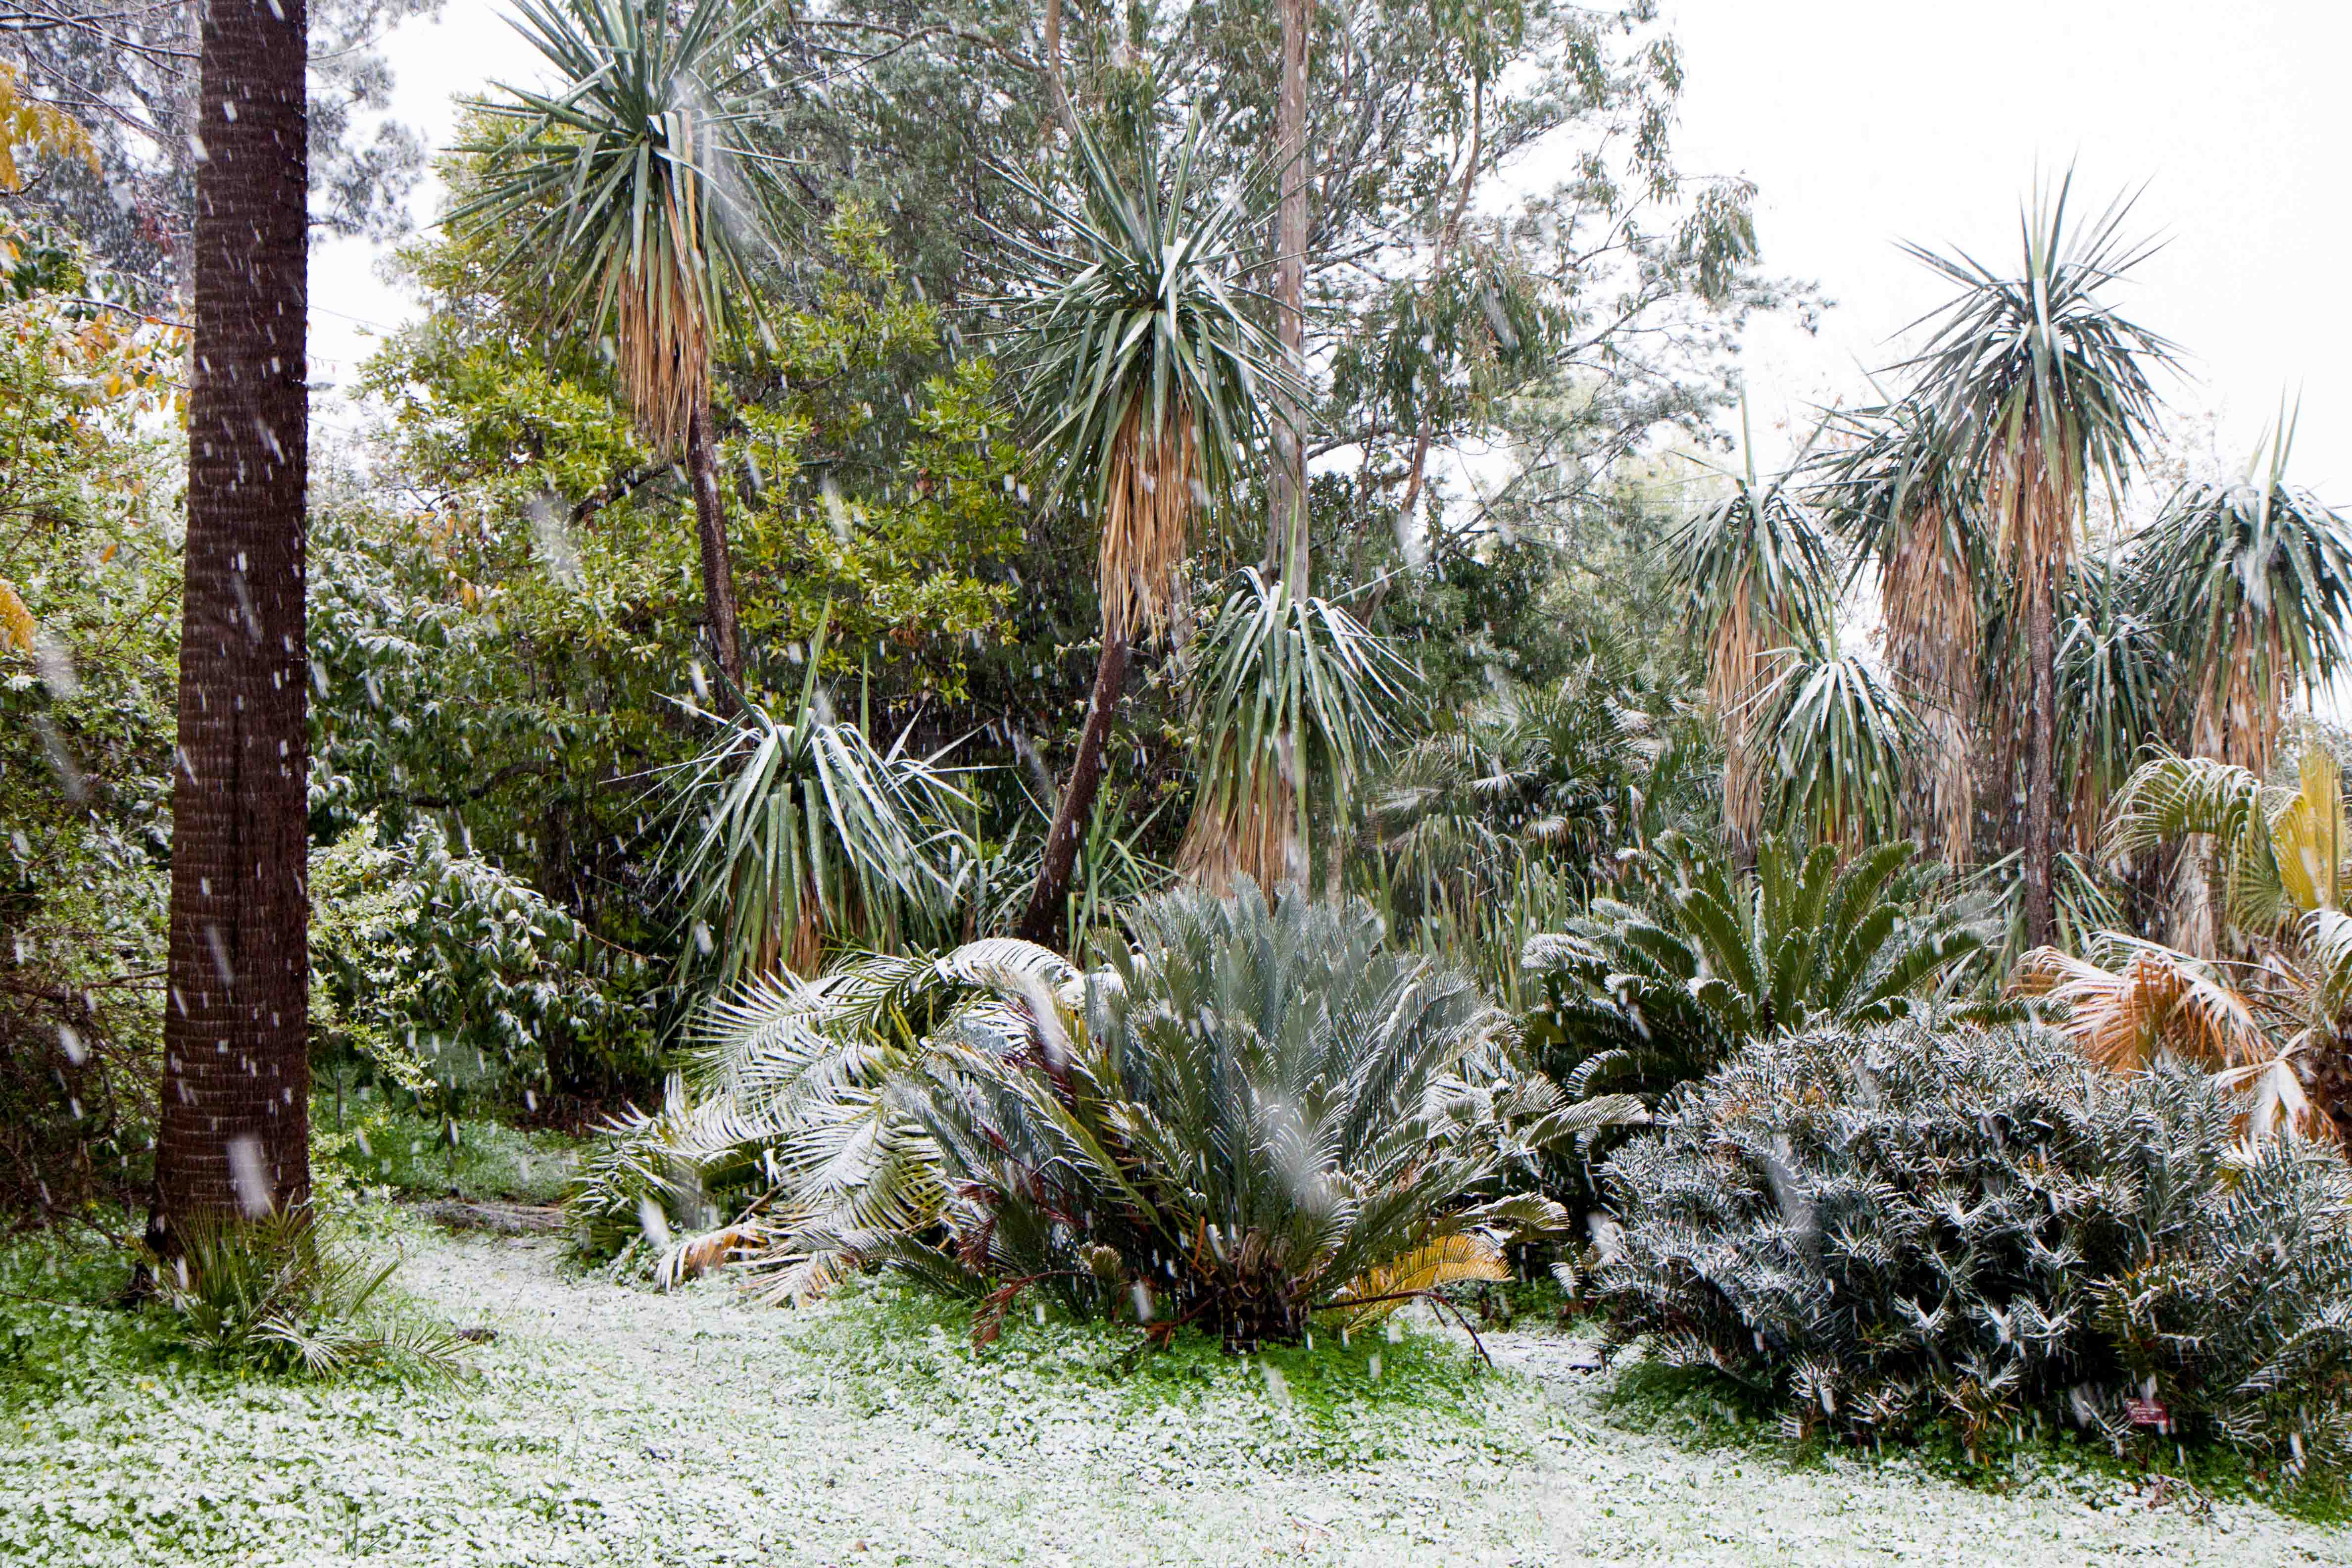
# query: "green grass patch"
[[381, 1142]]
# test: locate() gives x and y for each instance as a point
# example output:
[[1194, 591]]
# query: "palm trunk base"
[[1045, 921]]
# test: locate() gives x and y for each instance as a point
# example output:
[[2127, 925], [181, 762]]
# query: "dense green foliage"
[[1882, 1229]]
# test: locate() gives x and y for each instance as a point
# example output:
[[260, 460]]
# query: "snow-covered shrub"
[[1882, 1229]]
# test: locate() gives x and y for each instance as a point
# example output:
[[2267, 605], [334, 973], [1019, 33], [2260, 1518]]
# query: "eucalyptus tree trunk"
[[1043, 922], [1285, 534], [718, 563], [233, 1136]]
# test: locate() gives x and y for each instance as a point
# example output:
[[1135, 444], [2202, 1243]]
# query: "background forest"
[[1097, 655]]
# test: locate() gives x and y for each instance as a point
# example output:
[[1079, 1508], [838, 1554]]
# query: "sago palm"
[[2253, 580], [627, 201], [1262, 1114], [1144, 380], [2037, 385], [1639, 1001]]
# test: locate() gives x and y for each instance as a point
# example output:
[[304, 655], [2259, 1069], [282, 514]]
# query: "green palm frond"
[[633, 194], [1144, 371], [1290, 702], [796, 828]]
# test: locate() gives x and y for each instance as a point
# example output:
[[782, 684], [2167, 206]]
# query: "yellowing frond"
[[2307, 835], [1377, 1292]]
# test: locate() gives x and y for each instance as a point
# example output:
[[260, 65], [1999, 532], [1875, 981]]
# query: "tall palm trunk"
[[1285, 534], [718, 565], [1043, 922], [233, 1135], [2041, 762]]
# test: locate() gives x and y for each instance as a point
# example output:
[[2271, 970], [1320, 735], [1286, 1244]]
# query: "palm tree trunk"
[[718, 563], [1043, 922], [233, 1135], [2042, 765], [1285, 534]]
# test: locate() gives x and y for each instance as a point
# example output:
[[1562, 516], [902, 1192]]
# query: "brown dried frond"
[[1739, 666], [1930, 632], [2243, 704], [2159, 1000], [1147, 508], [1253, 833]]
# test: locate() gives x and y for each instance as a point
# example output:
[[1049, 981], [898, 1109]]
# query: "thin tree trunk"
[[1445, 241], [1043, 922], [2042, 765], [1285, 533], [718, 563], [233, 1135]]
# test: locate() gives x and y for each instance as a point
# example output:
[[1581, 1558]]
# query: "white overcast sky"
[[1868, 122]]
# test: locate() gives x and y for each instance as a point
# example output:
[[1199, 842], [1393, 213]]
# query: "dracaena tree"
[[628, 200], [2037, 385], [1145, 376]]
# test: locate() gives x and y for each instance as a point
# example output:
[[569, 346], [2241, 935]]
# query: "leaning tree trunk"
[[718, 563], [1043, 922], [1285, 533], [2041, 764], [234, 1132]]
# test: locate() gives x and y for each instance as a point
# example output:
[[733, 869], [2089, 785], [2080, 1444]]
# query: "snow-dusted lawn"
[[616, 1427]]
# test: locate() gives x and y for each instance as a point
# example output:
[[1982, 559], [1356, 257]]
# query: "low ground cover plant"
[[1882, 1231]]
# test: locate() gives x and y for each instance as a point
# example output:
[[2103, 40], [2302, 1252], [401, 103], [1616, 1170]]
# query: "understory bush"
[[1884, 1230], [1260, 1114]]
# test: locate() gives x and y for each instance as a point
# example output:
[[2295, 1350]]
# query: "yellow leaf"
[[16, 628], [1465, 1255]]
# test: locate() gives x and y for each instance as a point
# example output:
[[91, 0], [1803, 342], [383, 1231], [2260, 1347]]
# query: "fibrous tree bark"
[[718, 561], [233, 1136]]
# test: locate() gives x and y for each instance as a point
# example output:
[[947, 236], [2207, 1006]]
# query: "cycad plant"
[[2037, 385], [796, 829], [628, 201], [1758, 575], [1289, 700], [1262, 1114], [1144, 378], [1641, 1001], [2253, 579]]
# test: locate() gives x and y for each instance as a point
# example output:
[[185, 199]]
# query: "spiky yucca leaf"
[[1289, 702], [1144, 371], [632, 195]]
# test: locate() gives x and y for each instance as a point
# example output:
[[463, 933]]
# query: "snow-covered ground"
[[612, 1426]]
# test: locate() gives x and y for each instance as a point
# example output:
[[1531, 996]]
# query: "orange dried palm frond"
[[1153, 489], [2159, 1000]]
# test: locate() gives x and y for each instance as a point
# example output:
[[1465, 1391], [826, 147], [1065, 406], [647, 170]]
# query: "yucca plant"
[[2037, 386], [1835, 746], [1263, 1114], [796, 829], [1144, 378], [1757, 576], [2116, 675], [629, 201], [1888, 487], [1640, 1002], [1290, 701], [2253, 580]]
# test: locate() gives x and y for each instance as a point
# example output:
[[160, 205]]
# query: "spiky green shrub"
[[1884, 1229], [270, 1295], [1259, 1114], [1639, 1001]]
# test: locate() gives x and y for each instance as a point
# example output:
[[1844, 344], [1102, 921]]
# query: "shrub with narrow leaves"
[[1884, 1229]]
